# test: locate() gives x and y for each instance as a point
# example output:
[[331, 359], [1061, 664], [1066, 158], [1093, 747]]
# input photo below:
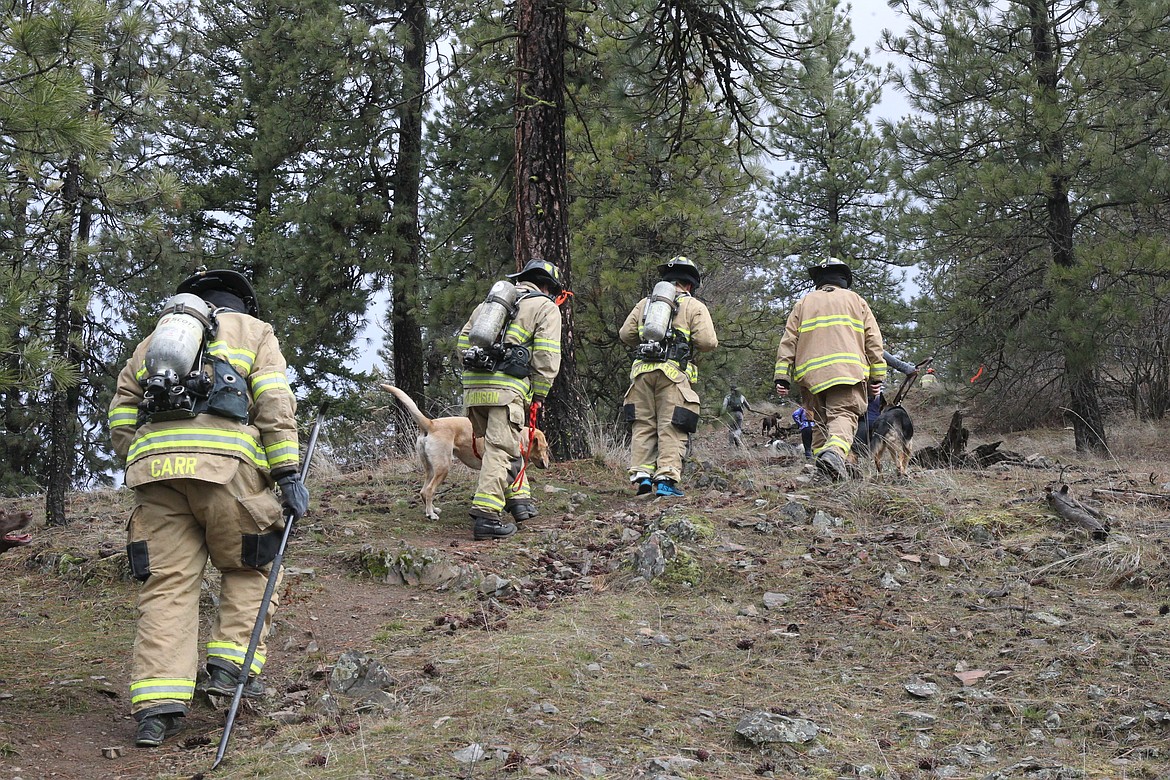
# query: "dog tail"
[[421, 420]]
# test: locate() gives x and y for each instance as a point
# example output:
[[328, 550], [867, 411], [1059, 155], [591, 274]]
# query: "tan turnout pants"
[[500, 426], [656, 443], [175, 527], [836, 412]]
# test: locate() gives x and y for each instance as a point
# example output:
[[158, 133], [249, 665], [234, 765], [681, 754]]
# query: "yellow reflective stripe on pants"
[[500, 427], [229, 651], [156, 689], [488, 502]]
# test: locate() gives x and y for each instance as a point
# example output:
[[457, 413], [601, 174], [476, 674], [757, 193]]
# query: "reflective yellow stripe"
[[835, 441], [241, 359], [474, 380], [273, 380], [820, 387], [832, 359], [481, 398], [123, 415], [228, 442], [488, 502], [229, 651], [830, 321], [282, 453], [521, 334], [154, 688], [668, 367]]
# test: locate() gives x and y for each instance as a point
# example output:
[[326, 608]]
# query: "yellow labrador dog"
[[443, 438]]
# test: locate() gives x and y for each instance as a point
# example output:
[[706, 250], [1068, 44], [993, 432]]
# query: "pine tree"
[[282, 126], [641, 196], [1032, 119], [833, 196], [77, 188]]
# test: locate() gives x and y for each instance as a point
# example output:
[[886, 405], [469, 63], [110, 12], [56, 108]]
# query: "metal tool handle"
[[266, 601]]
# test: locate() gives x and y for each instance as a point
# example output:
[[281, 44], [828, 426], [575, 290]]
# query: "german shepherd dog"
[[10, 525], [892, 433], [443, 439]]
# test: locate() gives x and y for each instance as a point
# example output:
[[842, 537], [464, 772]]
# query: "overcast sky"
[[869, 18]]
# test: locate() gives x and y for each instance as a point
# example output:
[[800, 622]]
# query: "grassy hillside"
[[948, 627]]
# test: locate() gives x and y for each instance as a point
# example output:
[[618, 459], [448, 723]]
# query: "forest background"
[[413, 152]]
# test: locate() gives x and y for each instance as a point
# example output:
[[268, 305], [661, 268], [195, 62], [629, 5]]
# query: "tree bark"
[[1088, 424], [406, 332], [541, 223], [1088, 427], [62, 409]]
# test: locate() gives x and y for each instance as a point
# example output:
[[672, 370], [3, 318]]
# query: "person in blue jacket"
[[800, 417]]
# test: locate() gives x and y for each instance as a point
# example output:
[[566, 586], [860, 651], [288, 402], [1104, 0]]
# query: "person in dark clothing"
[[735, 403]]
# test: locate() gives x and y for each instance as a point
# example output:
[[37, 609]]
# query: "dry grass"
[[591, 666]]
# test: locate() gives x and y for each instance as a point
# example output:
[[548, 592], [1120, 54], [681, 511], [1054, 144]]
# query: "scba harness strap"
[[213, 386], [511, 359]]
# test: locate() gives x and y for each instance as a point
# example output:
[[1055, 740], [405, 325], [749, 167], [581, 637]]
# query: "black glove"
[[294, 496]]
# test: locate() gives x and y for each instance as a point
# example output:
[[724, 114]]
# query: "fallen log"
[[951, 451], [1092, 520], [1131, 496], [990, 454]]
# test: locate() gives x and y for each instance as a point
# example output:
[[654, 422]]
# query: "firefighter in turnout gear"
[[203, 467], [661, 405], [832, 347], [505, 384]]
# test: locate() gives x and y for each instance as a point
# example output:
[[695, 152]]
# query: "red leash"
[[532, 410], [524, 451]]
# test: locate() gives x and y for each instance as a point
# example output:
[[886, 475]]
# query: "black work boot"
[[153, 729], [832, 465], [489, 525], [522, 509], [221, 681]]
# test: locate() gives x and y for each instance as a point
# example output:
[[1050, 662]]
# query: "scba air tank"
[[659, 312], [500, 303], [178, 337]]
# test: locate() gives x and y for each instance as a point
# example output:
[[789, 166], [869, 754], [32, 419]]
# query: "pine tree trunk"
[[62, 419], [1088, 429], [566, 422], [542, 200], [406, 332], [1088, 426]]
